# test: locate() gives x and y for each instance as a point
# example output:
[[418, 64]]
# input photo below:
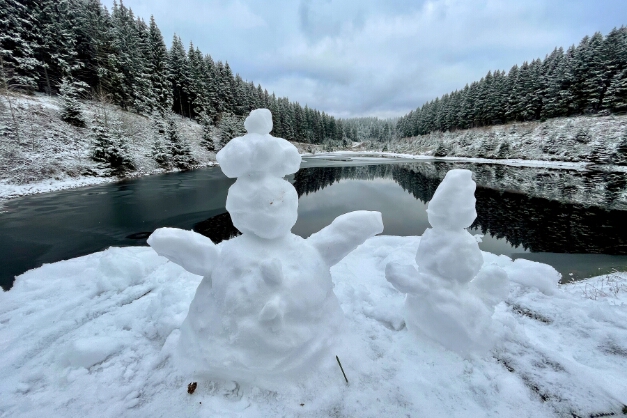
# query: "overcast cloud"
[[376, 58]]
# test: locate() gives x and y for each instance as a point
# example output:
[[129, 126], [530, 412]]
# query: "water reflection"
[[540, 210], [519, 210], [551, 223]]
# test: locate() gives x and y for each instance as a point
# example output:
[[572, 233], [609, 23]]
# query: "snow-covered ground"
[[94, 336], [573, 139]]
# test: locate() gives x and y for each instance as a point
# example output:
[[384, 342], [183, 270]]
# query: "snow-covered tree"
[[230, 126], [111, 147], [71, 108], [170, 149], [160, 70], [208, 132], [17, 49]]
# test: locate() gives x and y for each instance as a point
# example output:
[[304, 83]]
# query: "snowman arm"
[[190, 250], [404, 277], [345, 233]]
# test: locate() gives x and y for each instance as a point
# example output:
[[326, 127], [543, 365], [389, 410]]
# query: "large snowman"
[[265, 310], [452, 295]]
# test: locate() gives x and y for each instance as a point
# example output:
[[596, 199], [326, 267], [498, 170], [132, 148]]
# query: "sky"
[[376, 57]]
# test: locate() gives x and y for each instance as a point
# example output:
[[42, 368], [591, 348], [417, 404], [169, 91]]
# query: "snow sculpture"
[[451, 298], [265, 310]]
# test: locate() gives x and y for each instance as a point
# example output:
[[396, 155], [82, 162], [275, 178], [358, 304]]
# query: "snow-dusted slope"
[[93, 336], [49, 154], [581, 138]]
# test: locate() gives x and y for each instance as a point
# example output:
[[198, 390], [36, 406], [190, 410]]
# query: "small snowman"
[[265, 311], [452, 295]]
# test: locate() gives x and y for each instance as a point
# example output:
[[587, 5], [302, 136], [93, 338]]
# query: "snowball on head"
[[258, 151], [453, 204], [266, 206], [259, 122]]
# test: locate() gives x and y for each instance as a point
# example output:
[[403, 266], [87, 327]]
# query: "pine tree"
[[170, 150], [616, 98], [95, 49], [503, 150], [178, 76], [71, 109], [111, 147], [440, 150], [17, 49], [207, 133], [160, 70], [230, 126]]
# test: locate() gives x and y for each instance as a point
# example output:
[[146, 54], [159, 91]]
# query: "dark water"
[[571, 220]]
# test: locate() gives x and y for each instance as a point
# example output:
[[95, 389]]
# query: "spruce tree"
[[160, 70], [230, 126], [71, 109], [17, 49], [170, 150], [178, 76], [207, 133], [111, 147]]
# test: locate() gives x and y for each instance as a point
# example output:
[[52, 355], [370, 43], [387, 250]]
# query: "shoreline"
[[10, 191]]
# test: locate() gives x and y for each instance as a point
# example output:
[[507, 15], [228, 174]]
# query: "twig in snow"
[[341, 368]]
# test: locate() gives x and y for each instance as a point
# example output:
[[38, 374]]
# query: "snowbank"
[[94, 336]]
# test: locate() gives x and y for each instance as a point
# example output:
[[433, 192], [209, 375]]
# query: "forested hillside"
[[590, 78], [78, 49]]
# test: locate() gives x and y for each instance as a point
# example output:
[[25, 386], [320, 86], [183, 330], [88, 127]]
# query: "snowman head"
[[260, 201]]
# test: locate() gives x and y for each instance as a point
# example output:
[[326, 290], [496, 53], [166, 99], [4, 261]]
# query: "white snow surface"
[[95, 337]]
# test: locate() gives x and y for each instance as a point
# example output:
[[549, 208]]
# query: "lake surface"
[[572, 220]]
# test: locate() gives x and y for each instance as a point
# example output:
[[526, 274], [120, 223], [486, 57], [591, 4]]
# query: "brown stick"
[[341, 368]]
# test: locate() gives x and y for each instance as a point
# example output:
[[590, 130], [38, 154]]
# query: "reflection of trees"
[[310, 180], [543, 210], [217, 228]]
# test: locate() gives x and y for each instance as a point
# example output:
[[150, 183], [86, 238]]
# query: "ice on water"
[[451, 297], [265, 310]]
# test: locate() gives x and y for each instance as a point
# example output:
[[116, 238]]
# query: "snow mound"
[[265, 312], [534, 274], [450, 297]]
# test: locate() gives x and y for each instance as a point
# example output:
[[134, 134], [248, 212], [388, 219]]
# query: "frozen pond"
[[572, 220]]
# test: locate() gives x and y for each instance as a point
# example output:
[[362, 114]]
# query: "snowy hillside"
[[49, 154], [583, 138]]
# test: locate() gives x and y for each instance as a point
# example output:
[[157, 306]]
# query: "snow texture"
[[451, 298], [95, 336], [265, 312], [534, 274]]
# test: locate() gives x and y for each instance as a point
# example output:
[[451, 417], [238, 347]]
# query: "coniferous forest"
[[79, 49], [585, 79]]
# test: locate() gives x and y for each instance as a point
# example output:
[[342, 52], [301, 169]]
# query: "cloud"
[[374, 57]]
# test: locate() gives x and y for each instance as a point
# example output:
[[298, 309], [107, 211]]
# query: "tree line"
[[79, 49], [588, 78]]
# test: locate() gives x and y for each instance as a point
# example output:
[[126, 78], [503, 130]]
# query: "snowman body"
[[452, 295], [265, 310]]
